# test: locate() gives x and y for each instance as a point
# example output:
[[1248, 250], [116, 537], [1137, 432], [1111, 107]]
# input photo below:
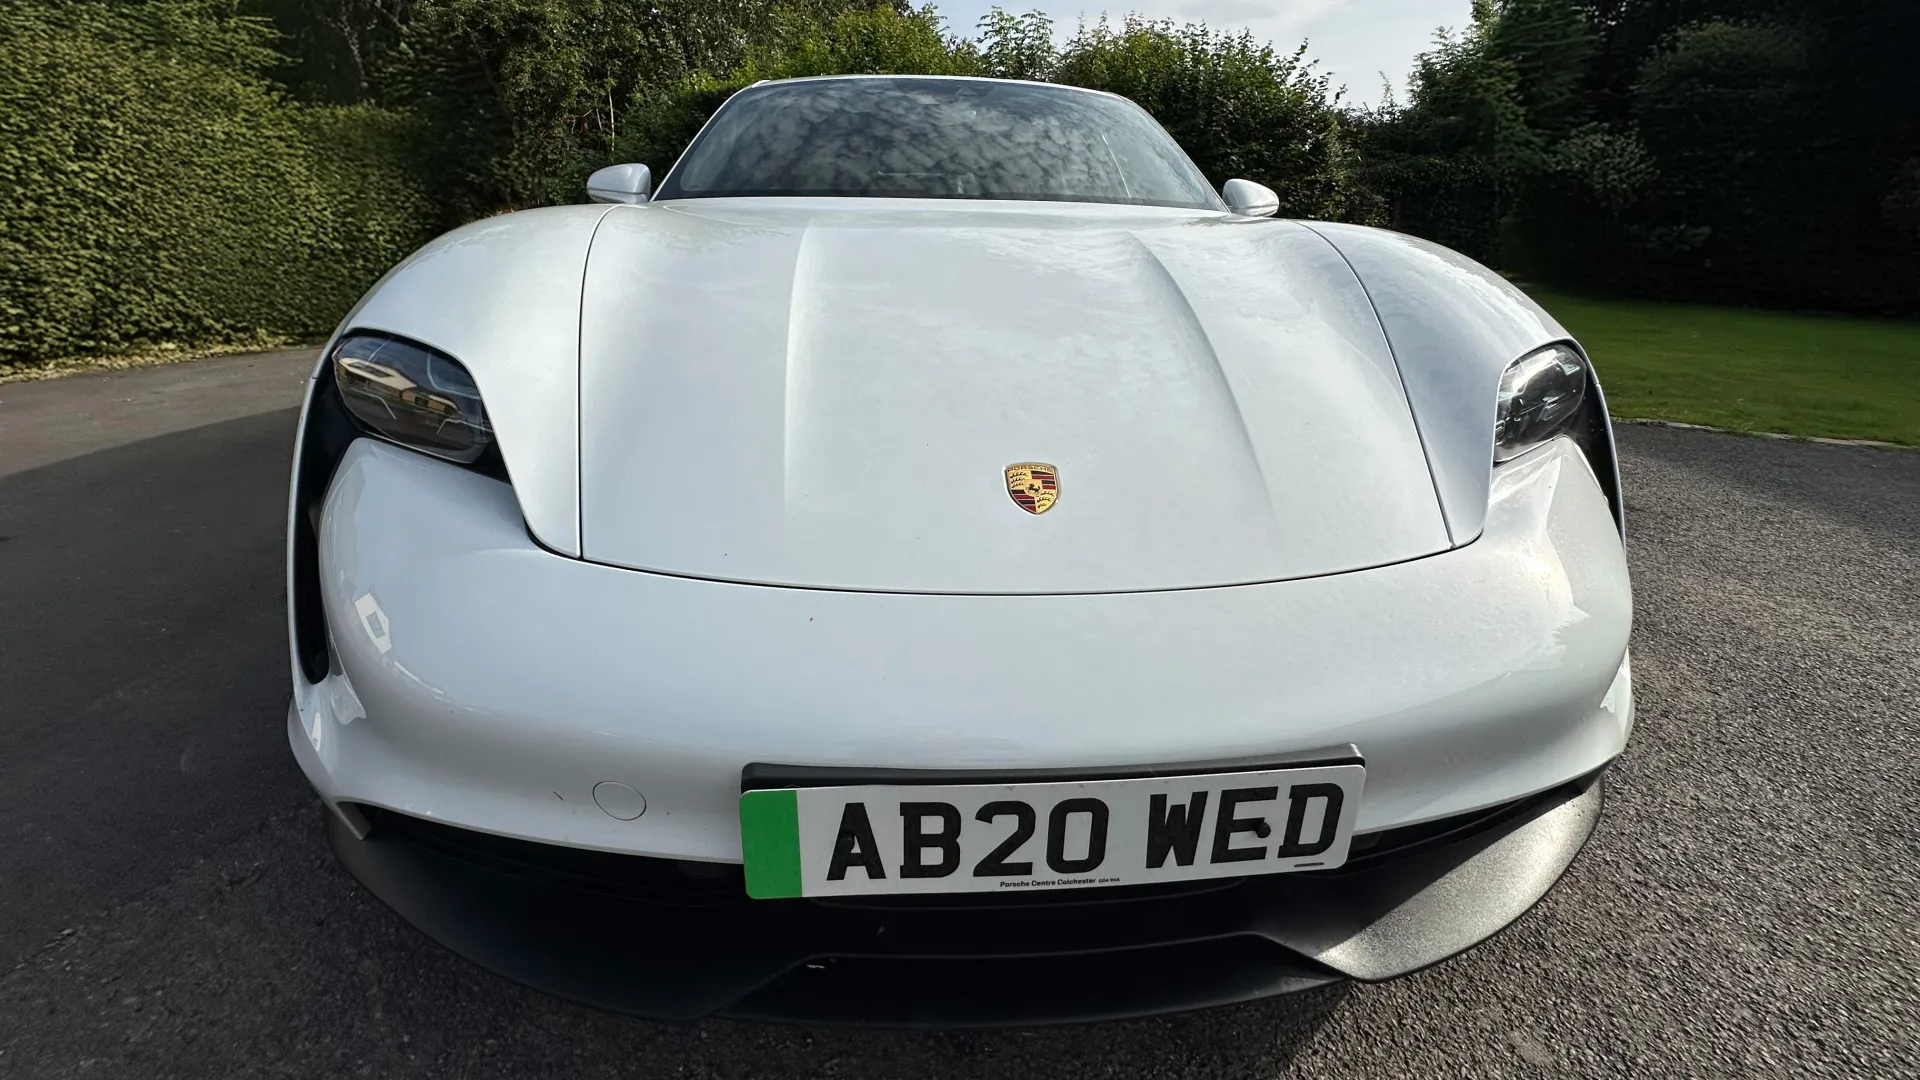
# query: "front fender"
[[502, 296], [1454, 326]]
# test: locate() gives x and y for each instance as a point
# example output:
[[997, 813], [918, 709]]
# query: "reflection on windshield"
[[936, 139]]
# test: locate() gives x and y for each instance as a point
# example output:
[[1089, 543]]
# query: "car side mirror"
[[621, 184], [1249, 199]]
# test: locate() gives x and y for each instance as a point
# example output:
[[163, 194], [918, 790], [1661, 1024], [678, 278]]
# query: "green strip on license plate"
[[770, 842]]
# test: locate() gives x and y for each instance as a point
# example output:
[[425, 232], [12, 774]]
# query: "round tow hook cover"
[[617, 800]]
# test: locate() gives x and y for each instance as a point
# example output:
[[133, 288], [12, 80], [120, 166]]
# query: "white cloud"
[[1356, 41], [1233, 12]]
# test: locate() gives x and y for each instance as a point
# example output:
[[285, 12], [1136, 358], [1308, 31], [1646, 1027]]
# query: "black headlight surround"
[[330, 429], [1587, 426], [1592, 431]]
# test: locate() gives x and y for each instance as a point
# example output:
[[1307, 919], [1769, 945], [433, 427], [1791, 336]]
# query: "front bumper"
[[485, 696], [481, 681], [672, 940]]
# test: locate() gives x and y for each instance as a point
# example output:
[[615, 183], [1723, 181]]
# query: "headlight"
[[413, 395], [1539, 394]]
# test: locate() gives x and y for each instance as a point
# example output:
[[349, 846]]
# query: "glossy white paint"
[[629, 183], [1455, 326], [501, 682], [825, 391], [1249, 199], [502, 296]]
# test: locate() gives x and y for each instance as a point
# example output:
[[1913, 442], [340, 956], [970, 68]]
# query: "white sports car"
[[934, 561]]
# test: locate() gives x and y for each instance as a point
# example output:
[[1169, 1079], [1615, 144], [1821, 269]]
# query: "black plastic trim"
[[1408, 840], [329, 430], [1592, 432], [758, 775], [1037, 991], [600, 928]]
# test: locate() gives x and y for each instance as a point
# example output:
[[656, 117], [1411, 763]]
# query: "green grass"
[[1816, 375]]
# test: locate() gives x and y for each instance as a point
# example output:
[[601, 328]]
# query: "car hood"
[[828, 393]]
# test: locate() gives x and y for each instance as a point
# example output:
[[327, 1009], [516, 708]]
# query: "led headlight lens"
[[413, 395], [1539, 394]]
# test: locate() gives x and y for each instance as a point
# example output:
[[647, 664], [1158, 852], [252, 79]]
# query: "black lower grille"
[[1048, 898], [676, 881], [676, 940], [1371, 848], [1032, 990], [669, 881]]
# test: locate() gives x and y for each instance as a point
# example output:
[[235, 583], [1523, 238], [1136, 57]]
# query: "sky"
[[1354, 40]]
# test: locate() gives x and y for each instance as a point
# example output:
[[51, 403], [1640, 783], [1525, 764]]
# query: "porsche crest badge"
[[1034, 485]]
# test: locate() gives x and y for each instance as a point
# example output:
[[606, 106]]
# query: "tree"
[[1549, 47], [1780, 129], [334, 47], [1710, 103], [1240, 108], [522, 95], [1017, 46], [158, 189], [1447, 165]]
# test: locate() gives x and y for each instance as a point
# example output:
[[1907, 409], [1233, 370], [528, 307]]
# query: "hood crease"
[[1214, 369], [796, 331], [828, 394]]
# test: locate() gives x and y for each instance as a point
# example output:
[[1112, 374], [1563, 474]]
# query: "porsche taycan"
[[932, 559]]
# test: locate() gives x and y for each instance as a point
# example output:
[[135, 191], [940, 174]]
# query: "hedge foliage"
[[519, 99], [1762, 152], [178, 173], [1239, 107], [157, 189]]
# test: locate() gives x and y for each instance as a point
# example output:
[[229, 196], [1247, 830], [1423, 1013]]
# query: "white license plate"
[[952, 838]]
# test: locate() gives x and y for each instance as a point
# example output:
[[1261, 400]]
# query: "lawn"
[[1823, 375]]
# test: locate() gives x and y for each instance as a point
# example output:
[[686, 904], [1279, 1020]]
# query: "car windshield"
[[920, 138]]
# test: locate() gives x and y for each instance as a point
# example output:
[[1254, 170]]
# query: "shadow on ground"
[[142, 668]]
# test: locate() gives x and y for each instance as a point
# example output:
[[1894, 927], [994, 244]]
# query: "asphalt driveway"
[[1750, 905]]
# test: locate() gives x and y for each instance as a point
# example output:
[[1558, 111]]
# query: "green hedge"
[[156, 189]]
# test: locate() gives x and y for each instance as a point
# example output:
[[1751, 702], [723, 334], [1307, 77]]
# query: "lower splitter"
[[673, 940]]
